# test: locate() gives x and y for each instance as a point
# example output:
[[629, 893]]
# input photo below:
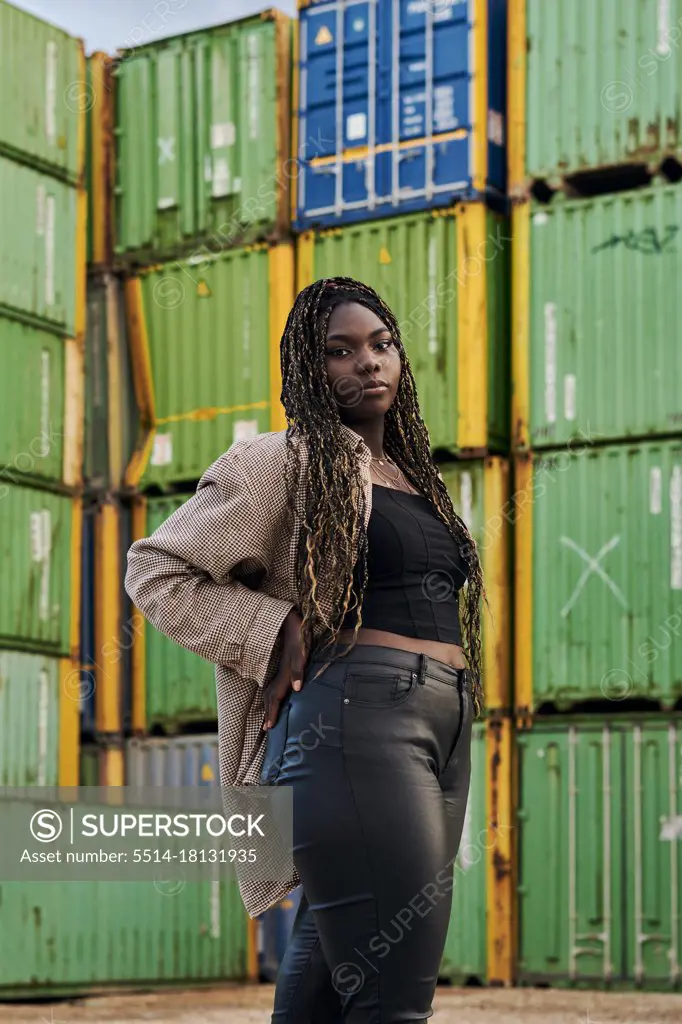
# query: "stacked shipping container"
[[597, 436]]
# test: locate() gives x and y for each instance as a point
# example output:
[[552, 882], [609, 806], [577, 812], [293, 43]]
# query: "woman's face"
[[361, 350]]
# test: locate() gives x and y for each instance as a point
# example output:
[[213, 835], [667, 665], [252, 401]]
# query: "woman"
[[321, 569]]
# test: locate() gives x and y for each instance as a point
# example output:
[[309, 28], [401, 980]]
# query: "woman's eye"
[[385, 341]]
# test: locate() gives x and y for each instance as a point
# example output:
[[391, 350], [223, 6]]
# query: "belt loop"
[[422, 669]]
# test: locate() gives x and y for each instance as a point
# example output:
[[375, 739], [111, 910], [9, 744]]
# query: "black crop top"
[[415, 570]]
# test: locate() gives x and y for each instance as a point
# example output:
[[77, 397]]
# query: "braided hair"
[[332, 515]]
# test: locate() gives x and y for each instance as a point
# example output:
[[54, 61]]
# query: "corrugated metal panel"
[[89, 766], [180, 686], [42, 84], [39, 231], [609, 522], [604, 291], [177, 761], [202, 137], [401, 105], [653, 817], [32, 402], [480, 491], [35, 569], [29, 712], [464, 956], [603, 83], [571, 881], [206, 331], [111, 415], [446, 286], [599, 852], [65, 939], [88, 658]]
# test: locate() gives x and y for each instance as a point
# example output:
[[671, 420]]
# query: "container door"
[[431, 85], [338, 131], [653, 802]]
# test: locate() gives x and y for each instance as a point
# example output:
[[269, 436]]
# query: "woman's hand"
[[291, 668]]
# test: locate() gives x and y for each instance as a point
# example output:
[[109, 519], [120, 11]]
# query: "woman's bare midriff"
[[451, 654]]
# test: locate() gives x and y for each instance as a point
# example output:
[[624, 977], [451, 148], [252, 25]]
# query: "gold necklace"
[[398, 474]]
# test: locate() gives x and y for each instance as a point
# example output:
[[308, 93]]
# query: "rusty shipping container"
[[202, 130], [43, 89], [593, 87], [603, 623], [444, 275], [596, 290], [205, 341], [599, 852]]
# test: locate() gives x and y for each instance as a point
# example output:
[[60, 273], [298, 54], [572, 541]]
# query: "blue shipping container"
[[401, 107], [177, 761]]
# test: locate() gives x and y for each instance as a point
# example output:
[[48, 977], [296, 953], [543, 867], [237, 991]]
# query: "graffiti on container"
[[647, 241], [593, 566]]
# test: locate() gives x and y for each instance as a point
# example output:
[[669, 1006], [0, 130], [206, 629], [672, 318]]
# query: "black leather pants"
[[377, 752]]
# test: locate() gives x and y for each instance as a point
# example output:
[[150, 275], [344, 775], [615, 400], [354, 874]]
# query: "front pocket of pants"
[[276, 741], [371, 688]]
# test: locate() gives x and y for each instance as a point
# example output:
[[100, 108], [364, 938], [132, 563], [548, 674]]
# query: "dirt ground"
[[252, 1005]]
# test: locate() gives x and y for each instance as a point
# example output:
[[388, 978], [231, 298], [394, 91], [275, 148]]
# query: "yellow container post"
[[523, 586], [516, 97], [142, 379], [305, 260], [501, 848], [281, 277], [100, 99], [520, 289], [472, 329], [138, 650], [108, 662], [496, 563], [479, 141]]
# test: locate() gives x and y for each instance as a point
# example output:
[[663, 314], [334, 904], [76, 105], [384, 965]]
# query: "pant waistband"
[[396, 658]]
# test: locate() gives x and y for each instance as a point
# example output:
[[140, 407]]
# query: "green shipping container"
[[58, 940], [42, 84], [40, 249], [601, 89], [202, 140], [180, 686], [604, 278], [444, 275], [599, 852], [29, 713], [464, 957], [39, 544], [480, 490], [598, 604], [32, 402], [203, 336], [111, 414]]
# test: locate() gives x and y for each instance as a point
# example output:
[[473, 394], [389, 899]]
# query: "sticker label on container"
[[36, 527], [496, 127], [663, 42], [323, 37], [162, 450], [550, 362], [222, 134], [253, 79], [356, 127], [45, 528], [43, 715], [49, 250], [467, 498], [671, 829], [569, 396], [244, 429], [221, 178], [45, 393], [40, 210], [444, 119], [165, 203], [655, 491], [540, 219], [676, 528], [51, 91]]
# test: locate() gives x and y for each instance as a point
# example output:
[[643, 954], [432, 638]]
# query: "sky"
[[110, 24]]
